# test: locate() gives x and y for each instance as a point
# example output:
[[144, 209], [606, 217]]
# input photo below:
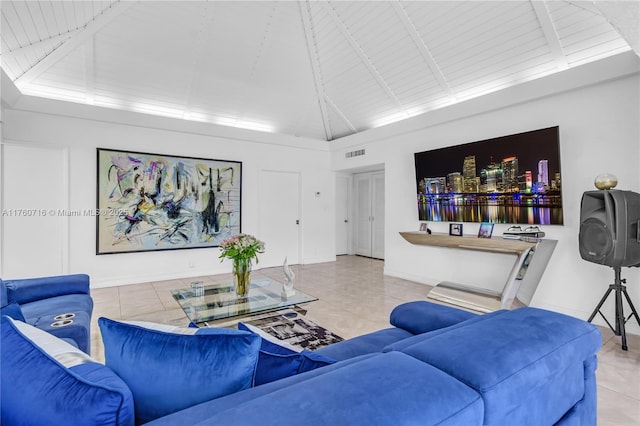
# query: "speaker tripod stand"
[[621, 320]]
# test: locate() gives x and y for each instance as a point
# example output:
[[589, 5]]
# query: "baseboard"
[[139, 279], [410, 277], [190, 273], [312, 260]]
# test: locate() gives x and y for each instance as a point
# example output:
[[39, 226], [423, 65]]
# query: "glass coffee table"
[[206, 303]]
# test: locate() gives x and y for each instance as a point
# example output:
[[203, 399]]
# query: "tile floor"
[[356, 298]]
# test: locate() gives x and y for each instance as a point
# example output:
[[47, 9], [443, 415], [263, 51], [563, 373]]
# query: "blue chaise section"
[[526, 367]]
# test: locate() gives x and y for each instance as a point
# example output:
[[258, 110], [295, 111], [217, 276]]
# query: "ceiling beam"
[[74, 40], [422, 48], [550, 34], [56, 39], [312, 49], [340, 114], [624, 16], [364, 58]]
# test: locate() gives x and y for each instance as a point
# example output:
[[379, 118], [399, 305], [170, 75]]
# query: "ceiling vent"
[[356, 153]]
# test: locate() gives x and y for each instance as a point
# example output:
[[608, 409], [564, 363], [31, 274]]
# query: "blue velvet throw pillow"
[[13, 310], [46, 381], [170, 368], [278, 360]]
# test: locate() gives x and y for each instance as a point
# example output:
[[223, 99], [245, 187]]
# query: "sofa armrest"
[[32, 289], [422, 316]]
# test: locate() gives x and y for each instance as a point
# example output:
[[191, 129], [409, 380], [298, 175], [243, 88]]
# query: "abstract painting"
[[150, 202]]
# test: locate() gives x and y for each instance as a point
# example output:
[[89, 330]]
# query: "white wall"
[[37, 122], [596, 107], [599, 132]]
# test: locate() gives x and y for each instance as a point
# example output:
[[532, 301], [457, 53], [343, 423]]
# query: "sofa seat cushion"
[[528, 364], [360, 345], [202, 411], [278, 360], [42, 314], [168, 369], [44, 380], [421, 316], [380, 389]]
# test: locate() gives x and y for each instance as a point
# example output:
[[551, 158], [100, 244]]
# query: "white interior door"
[[33, 228], [342, 214], [279, 217], [369, 214], [377, 216], [362, 229]]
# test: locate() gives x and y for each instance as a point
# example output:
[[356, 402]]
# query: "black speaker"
[[610, 227]]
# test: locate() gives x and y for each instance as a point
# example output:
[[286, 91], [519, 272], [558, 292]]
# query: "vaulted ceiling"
[[316, 69]]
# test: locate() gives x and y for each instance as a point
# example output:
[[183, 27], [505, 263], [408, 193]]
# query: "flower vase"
[[242, 276]]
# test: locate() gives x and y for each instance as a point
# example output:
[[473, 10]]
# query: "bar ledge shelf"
[[531, 259]]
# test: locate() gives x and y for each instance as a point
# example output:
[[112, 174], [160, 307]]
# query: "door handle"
[[297, 222], [346, 221]]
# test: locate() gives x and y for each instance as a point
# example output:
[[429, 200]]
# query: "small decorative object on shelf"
[[485, 231], [425, 228], [287, 286], [242, 249], [606, 181], [455, 229], [517, 232]]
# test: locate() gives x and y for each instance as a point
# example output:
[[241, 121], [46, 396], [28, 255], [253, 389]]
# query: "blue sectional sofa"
[[60, 305], [436, 366]]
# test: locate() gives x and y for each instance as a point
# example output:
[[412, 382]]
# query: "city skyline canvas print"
[[514, 179], [149, 202]]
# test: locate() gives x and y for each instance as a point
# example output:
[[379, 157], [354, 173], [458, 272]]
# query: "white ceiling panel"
[[319, 69]]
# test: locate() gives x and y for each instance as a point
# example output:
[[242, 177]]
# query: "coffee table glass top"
[[212, 302]]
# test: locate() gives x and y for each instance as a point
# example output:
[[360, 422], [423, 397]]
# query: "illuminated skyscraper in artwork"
[[491, 178], [543, 172], [469, 174], [510, 174], [454, 181]]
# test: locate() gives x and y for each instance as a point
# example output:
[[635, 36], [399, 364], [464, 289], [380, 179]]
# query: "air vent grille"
[[356, 153]]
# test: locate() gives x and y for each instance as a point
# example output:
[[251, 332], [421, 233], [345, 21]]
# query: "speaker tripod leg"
[[633, 313], [620, 319], [597, 309], [633, 308]]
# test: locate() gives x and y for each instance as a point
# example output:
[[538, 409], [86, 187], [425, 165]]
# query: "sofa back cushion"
[[410, 341], [45, 380], [12, 310], [421, 316], [528, 364], [4, 299], [33, 289], [170, 370]]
